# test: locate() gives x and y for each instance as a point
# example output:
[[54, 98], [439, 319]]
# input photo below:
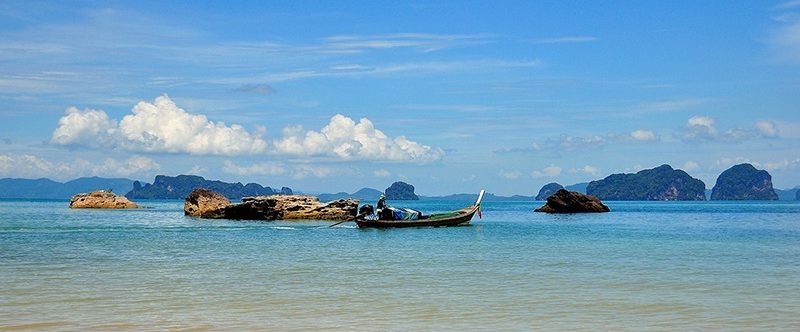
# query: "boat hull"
[[458, 220]]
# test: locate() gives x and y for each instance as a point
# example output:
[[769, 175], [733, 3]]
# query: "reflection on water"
[[704, 265]]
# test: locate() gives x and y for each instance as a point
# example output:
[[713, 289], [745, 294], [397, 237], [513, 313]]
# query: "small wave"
[[284, 227]]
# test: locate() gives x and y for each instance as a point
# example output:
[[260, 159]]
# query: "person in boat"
[[386, 212]]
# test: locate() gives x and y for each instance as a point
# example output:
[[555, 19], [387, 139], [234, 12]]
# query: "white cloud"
[[87, 127], [690, 166], [197, 170], [699, 128], [785, 164], [267, 168], [567, 142], [29, 166], [591, 170], [767, 128], [344, 139], [510, 175], [160, 126], [643, 135], [381, 173], [549, 171], [727, 162]]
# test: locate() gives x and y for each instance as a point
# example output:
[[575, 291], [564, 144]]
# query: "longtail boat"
[[453, 218]]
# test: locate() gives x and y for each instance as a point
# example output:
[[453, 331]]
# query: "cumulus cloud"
[[87, 127], [767, 129], [267, 168], [547, 172], [160, 126], [590, 170], [510, 175], [345, 139], [643, 135], [29, 166], [699, 128]]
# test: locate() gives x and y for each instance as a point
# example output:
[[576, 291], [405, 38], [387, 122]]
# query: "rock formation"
[[208, 204], [563, 201], [100, 200], [548, 190], [401, 191], [205, 203], [658, 184], [179, 187], [744, 182]]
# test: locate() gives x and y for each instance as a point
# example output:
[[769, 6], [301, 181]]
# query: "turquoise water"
[[647, 265]]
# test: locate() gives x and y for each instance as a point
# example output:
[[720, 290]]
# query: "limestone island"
[[204, 203], [102, 199], [564, 201], [662, 183], [744, 182], [401, 191]]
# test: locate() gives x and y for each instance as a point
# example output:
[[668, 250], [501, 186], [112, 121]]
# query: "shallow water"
[[647, 265]]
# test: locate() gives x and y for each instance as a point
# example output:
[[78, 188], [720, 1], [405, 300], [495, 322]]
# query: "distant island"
[[363, 194], [401, 191], [662, 183], [49, 189], [552, 187], [179, 187], [548, 190], [744, 182]]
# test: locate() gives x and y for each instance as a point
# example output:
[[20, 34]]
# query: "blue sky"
[[449, 96]]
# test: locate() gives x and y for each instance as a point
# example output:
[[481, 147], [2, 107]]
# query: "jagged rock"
[[100, 200], [662, 183], [274, 207], [548, 190], [564, 201], [401, 191], [744, 182], [205, 203]]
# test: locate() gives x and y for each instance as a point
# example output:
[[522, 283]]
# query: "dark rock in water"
[[179, 187], [564, 201], [208, 204], [744, 182], [548, 190], [658, 184], [401, 191], [205, 203]]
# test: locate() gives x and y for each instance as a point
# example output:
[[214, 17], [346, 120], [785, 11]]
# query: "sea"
[[669, 266]]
